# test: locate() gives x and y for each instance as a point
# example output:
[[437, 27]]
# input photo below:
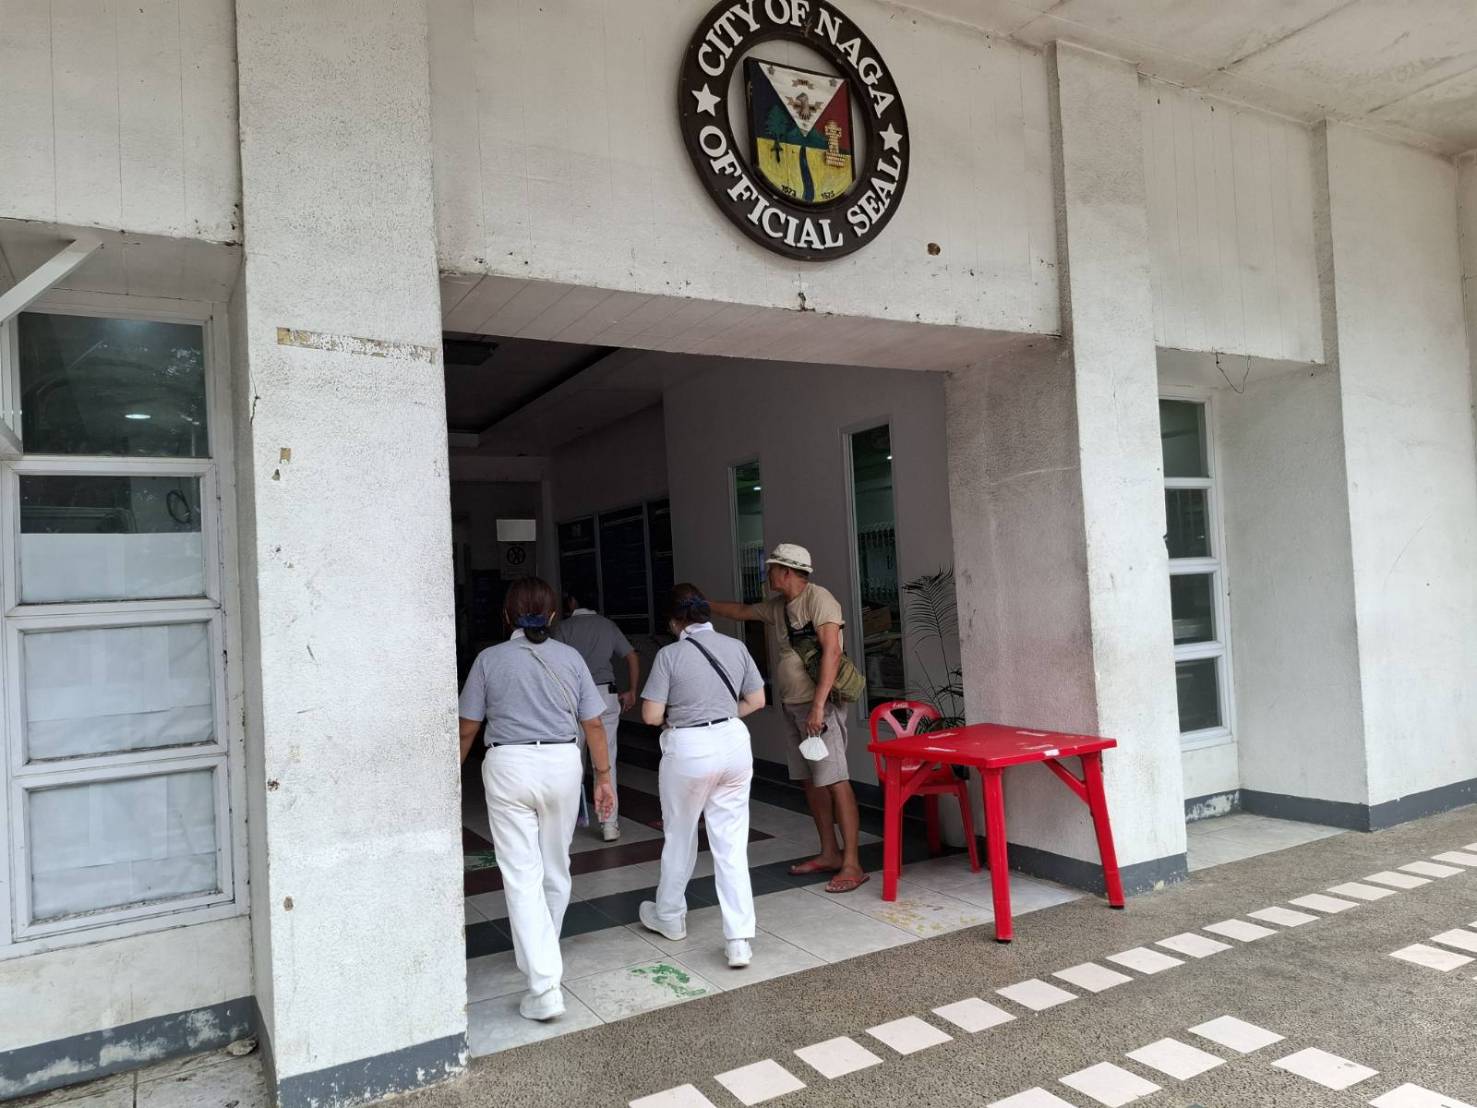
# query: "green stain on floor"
[[676, 981]]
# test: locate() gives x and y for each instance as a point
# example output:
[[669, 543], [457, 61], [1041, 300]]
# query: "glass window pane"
[[1182, 437], [102, 690], [113, 843], [110, 538], [112, 386], [1192, 607], [1187, 523], [1199, 694], [876, 561], [748, 522]]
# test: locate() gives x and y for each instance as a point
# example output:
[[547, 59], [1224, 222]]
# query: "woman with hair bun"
[[699, 689], [537, 697]]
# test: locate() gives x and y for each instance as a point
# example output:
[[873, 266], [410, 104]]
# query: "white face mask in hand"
[[813, 748]]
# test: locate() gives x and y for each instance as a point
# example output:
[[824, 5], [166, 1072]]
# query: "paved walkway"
[[1252, 984], [1339, 972]]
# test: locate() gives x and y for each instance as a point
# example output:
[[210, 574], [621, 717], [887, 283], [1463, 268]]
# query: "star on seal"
[[706, 101]]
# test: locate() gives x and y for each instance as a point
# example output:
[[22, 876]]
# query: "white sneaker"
[[739, 952], [542, 1006], [610, 832], [649, 920]]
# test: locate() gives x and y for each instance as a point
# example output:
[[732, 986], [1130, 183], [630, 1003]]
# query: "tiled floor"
[[616, 968], [1214, 842]]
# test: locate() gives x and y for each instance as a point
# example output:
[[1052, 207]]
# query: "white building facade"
[[1178, 375]]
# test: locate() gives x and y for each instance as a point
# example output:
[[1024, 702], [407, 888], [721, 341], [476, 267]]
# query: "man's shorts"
[[830, 770]]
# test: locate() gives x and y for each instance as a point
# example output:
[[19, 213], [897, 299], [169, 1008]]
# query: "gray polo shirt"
[[598, 640], [519, 697], [683, 680]]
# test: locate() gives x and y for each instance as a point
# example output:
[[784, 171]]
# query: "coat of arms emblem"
[[801, 125]]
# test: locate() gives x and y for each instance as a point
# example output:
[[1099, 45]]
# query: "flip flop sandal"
[[847, 884], [806, 869]]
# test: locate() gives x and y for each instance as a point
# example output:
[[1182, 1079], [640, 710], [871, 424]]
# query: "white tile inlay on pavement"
[[1413, 1096], [761, 1081], [1196, 946], [1323, 1068], [973, 1015], [1457, 857], [1431, 957], [1239, 930], [1431, 869], [1109, 1084], [1092, 977], [1036, 995], [1458, 938], [909, 1035], [1360, 891], [1398, 880], [1180, 1061], [1144, 960], [1236, 1034], [837, 1057], [1318, 902], [1283, 917], [683, 1096], [1031, 1098]]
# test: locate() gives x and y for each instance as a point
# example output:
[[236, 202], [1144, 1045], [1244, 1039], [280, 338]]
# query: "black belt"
[[539, 742], [710, 722]]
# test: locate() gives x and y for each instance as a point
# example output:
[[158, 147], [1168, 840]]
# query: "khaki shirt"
[[792, 685]]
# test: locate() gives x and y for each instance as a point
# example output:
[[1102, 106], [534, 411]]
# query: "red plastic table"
[[992, 748]]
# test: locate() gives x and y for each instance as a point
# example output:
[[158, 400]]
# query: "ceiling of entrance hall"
[[1408, 67]]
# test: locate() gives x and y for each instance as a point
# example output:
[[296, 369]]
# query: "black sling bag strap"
[[712, 661]]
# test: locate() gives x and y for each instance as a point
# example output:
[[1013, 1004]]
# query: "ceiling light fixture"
[[137, 415]]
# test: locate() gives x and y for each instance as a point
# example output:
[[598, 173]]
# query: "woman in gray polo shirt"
[[536, 696], [699, 688]]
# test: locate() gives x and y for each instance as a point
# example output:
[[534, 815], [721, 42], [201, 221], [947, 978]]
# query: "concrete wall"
[[1395, 289], [121, 115], [1295, 659], [616, 467], [583, 179], [1230, 194], [79, 990], [793, 418]]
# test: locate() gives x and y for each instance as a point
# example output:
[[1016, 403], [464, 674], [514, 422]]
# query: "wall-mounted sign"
[[825, 160]]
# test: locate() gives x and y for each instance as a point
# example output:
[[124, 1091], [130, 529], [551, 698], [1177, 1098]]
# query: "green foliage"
[[931, 628]]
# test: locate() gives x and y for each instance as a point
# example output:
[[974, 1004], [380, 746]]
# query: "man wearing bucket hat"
[[801, 609]]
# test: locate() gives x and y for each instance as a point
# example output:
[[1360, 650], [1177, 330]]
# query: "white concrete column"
[[1058, 508], [355, 828], [1395, 329], [1467, 228]]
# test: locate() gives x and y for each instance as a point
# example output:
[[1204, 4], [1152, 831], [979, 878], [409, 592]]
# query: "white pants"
[[533, 798], [706, 772]]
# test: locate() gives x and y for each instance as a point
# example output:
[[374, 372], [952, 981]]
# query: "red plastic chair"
[[904, 717]]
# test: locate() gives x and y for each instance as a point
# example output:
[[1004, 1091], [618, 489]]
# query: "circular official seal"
[[794, 184]]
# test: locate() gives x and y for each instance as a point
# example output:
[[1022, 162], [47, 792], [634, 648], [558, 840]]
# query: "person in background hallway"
[[700, 687], [801, 607], [537, 697], [600, 642]]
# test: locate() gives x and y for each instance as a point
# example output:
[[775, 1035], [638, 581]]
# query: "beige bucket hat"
[[790, 556]]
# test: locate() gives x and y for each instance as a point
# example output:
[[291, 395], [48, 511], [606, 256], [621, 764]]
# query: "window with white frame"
[[1196, 570], [116, 806]]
